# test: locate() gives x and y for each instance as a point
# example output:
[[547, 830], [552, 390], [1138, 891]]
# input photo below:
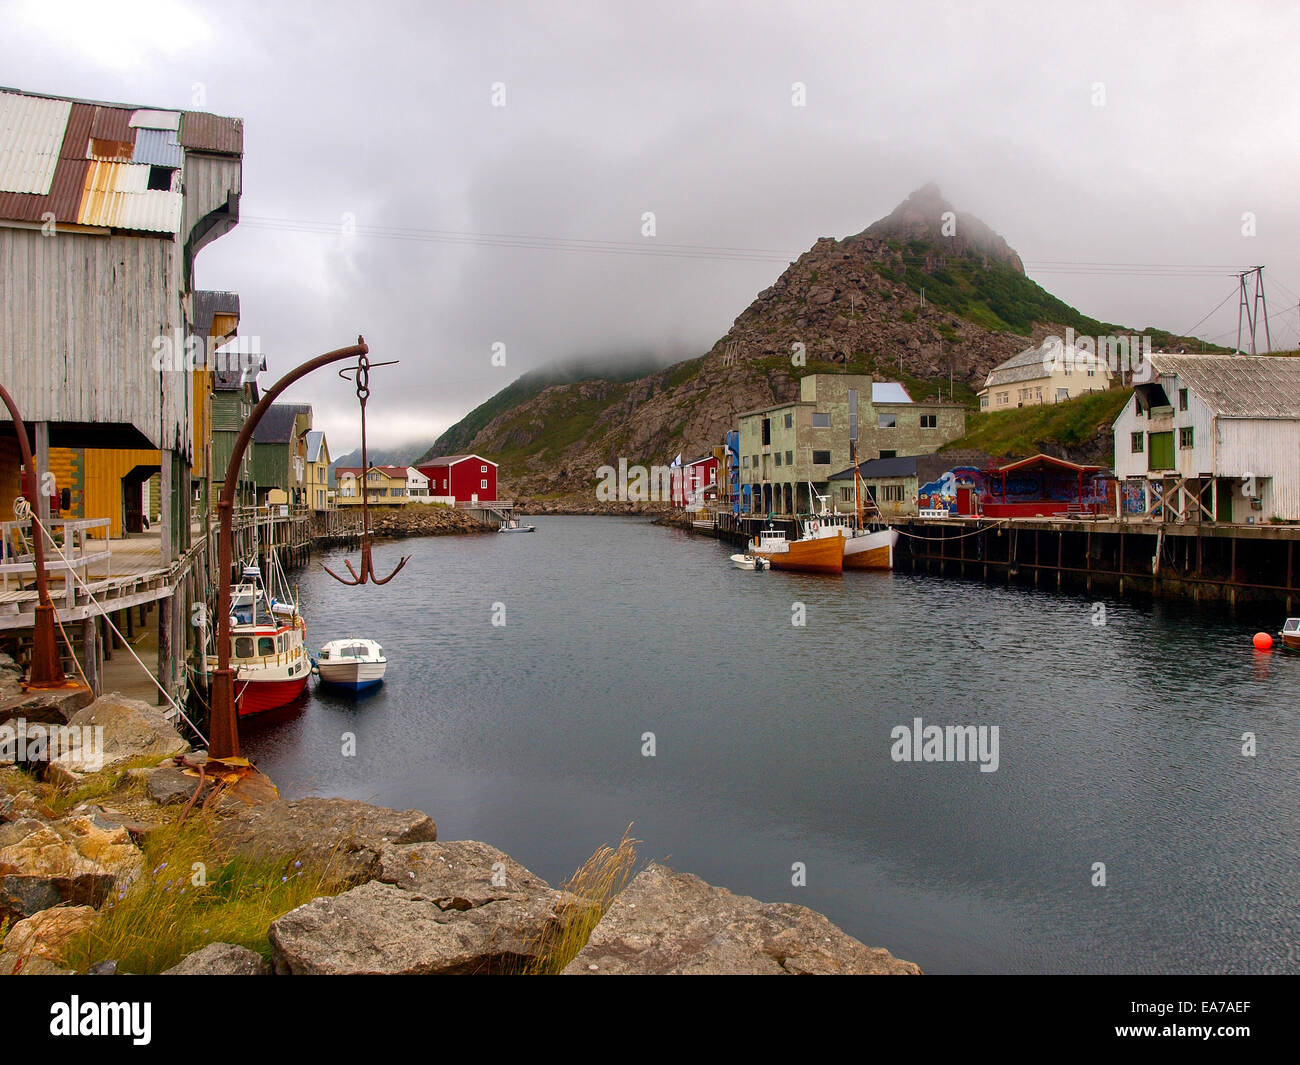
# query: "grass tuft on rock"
[[601, 877], [189, 896]]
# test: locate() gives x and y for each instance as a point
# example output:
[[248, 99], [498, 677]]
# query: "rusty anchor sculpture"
[[367, 573]]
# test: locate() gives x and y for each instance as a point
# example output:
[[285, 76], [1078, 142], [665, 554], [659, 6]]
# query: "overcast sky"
[[1084, 133]]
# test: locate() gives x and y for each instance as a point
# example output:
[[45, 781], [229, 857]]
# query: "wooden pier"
[[1200, 561]]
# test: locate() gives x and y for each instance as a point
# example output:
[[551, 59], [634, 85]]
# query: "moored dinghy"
[[1291, 634], [354, 663]]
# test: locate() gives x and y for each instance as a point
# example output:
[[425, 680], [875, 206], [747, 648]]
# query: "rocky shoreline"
[[423, 520], [77, 840]]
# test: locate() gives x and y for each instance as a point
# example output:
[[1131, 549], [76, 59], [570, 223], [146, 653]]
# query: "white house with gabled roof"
[[1214, 438]]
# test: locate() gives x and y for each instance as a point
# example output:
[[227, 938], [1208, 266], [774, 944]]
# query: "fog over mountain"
[[1133, 156]]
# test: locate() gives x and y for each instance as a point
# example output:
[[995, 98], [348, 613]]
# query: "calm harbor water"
[[1118, 744]]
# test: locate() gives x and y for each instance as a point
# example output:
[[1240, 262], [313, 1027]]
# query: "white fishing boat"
[[354, 663], [511, 525], [750, 562]]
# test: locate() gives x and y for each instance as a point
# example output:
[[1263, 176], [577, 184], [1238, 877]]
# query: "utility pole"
[[1248, 308]]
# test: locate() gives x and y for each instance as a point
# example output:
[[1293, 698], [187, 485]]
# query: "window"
[[929, 421], [483, 483], [789, 421], [265, 645], [482, 469], [846, 495], [984, 401], [1135, 443], [160, 179], [1185, 437], [789, 458], [243, 647], [754, 462], [888, 421], [767, 431], [889, 454], [893, 493], [744, 462], [1062, 393], [1182, 399], [821, 458], [778, 458], [821, 420]]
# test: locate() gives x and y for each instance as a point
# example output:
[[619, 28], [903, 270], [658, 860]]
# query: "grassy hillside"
[[528, 386], [1077, 429]]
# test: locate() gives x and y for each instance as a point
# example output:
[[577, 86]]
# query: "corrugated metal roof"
[[76, 139], [113, 124], [31, 134], [148, 119], [158, 147], [212, 133], [63, 201], [117, 195], [109, 151], [1239, 386]]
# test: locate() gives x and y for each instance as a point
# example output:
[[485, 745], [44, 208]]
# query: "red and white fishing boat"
[[267, 643]]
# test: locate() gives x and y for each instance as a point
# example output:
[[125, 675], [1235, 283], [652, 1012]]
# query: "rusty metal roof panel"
[[212, 133], [67, 191], [31, 136], [117, 195], [113, 124], [158, 147], [76, 140]]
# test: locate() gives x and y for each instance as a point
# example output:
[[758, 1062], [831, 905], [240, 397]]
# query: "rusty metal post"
[[46, 670], [223, 729]]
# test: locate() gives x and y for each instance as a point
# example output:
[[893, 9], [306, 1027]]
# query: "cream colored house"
[[1049, 373]]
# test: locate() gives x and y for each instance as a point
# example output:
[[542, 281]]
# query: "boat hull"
[[1291, 640], [873, 551], [259, 696], [354, 676], [824, 555]]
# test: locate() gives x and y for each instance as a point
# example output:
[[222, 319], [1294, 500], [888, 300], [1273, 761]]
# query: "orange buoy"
[[1263, 641]]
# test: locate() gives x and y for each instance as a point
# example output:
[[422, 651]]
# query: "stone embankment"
[[424, 520], [402, 901]]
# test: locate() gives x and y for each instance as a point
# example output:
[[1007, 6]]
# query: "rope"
[[125, 643], [949, 539]]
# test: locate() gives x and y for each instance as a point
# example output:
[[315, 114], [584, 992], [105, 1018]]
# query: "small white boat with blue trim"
[[353, 663]]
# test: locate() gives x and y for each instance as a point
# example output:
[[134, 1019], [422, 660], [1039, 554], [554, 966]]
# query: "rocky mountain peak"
[[926, 216]]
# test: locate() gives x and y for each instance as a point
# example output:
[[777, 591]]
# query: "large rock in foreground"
[[462, 908], [132, 729], [342, 835], [70, 861], [667, 923], [221, 959], [34, 946]]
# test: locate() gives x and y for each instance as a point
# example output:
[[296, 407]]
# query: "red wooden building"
[[466, 478], [1042, 486], [695, 482]]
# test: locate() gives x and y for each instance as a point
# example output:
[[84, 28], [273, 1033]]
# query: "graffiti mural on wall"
[[941, 494]]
